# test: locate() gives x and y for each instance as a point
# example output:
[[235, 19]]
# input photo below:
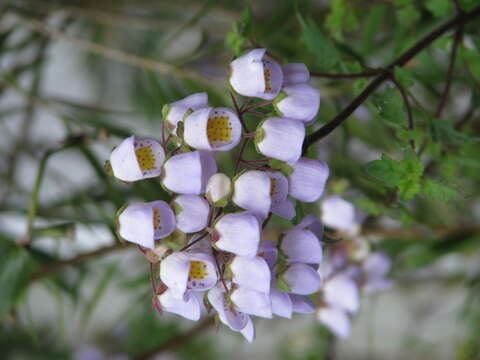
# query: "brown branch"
[[178, 339], [346, 76], [57, 266], [458, 20]]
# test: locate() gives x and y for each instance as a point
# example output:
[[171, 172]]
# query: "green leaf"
[[408, 15], [299, 213], [439, 8], [367, 206], [437, 190], [240, 32], [404, 77], [403, 175], [385, 171], [341, 18], [442, 131], [390, 107], [318, 44], [15, 268]]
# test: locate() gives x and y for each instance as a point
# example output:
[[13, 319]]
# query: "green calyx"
[[177, 208], [165, 110], [284, 167], [282, 285], [176, 240], [282, 95]]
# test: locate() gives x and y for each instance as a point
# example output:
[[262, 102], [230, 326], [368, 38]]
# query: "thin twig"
[[347, 76], [407, 107], [255, 106], [458, 20], [57, 266]]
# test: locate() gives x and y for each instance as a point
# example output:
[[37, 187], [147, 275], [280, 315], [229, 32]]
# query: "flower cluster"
[[206, 245], [350, 269]]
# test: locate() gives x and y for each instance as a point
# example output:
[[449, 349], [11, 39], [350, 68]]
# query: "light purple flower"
[[238, 233], [143, 223], [338, 214], [301, 246], [253, 74], [188, 306], [281, 205], [376, 266], [308, 179], [301, 279], [137, 158], [281, 303], [191, 212], [212, 129], [251, 191], [252, 302], [299, 102], [340, 291], [312, 223], [268, 250], [248, 331], [227, 312], [251, 272], [295, 73], [280, 138], [302, 304], [188, 173], [175, 112], [336, 320], [182, 271]]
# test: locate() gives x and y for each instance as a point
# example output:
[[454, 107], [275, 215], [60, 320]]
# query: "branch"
[[347, 76], [458, 20], [55, 267], [407, 107], [178, 340]]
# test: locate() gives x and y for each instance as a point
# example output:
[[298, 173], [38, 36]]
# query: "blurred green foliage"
[[432, 195]]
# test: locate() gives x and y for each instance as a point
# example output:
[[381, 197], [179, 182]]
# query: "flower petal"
[[136, 224], [273, 77], [202, 271], [246, 73], [251, 272], [308, 179], [340, 291], [174, 271], [163, 219], [192, 213], [284, 209], [252, 192], [312, 223], [268, 250], [280, 138], [231, 317], [295, 73], [188, 173], [176, 111], [302, 246], [188, 306], [301, 279], [377, 264], [219, 189], [248, 331], [336, 320], [281, 303], [299, 102], [302, 304], [252, 302], [338, 213], [239, 233]]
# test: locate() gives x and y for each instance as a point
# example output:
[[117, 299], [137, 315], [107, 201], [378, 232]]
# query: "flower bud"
[[175, 112], [308, 179], [252, 192], [299, 102], [295, 73], [280, 138], [191, 213], [219, 190]]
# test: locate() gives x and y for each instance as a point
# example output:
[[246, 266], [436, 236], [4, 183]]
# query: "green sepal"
[[222, 202], [282, 285], [165, 110], [176, 240], [117, 223], [108, 168], [187, 113], [282, 95], [177, 208], [284, 167]]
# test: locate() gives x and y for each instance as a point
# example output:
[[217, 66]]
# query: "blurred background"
[[76, 77]]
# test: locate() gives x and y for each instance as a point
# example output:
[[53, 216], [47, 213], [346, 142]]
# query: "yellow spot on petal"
[[156, 219], [273, 186], [198, 270], [145, 158], [219, 129], [268, 86]]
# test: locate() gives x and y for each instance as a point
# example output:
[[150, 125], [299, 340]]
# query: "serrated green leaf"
[[435, 190], [318, 44], [385, 170], [390, 107]]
